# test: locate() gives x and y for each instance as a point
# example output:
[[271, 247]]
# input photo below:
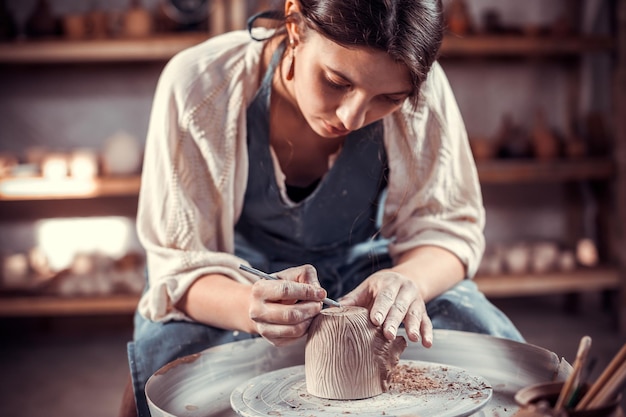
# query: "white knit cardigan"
[[196, 164]]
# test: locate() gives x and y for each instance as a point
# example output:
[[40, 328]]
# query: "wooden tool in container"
[[573, 380], [608, 385]]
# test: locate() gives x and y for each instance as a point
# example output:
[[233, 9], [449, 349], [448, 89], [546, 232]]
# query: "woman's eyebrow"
[[349, 81]]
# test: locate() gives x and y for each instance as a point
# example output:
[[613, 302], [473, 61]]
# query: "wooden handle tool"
[[608, 383], [572, 380]]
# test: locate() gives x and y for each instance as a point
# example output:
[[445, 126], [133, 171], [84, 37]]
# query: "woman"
[[331, 152]]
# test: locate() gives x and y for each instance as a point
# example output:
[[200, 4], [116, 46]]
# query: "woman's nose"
[[351, 113]]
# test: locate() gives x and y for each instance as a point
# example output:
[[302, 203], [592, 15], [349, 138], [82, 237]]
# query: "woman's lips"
[[335, 130]]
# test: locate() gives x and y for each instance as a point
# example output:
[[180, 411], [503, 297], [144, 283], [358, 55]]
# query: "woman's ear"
[[292, 13]]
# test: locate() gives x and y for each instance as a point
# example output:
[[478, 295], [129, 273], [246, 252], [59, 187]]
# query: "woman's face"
[[339, 90]]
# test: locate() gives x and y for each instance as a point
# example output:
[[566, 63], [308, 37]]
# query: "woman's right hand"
[[282, 310]]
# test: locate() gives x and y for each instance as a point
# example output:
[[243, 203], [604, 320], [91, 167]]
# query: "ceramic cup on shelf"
[[137, 21], [74, 26], [98, 24]]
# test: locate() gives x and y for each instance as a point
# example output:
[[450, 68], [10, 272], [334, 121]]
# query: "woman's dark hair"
[[410, 31]]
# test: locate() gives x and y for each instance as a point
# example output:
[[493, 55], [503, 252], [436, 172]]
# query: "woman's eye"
[[335, 85], [393, 100]]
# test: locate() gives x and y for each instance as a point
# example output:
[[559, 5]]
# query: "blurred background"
[[542, 89]]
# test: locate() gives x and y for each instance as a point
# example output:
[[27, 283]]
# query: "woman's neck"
[[303, 155]]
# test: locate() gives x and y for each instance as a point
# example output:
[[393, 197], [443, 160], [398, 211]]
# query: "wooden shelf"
[[531, 170], [163, 47], [493, 286], [156, 48], [553, 283], [489, 172], [31, 306], [515, 45], [27, 189]]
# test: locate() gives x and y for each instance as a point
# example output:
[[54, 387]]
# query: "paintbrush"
[[608, 383], [613, 387], [264, 275], [582, 382], [572, 380]]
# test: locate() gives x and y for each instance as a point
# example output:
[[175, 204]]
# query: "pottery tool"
[[264, 275], [572, 380], [608, 384], [582, 382]]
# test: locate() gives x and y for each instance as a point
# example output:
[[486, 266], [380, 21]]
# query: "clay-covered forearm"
[[217, 300], [433, 269]]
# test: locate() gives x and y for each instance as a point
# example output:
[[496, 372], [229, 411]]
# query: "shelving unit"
[[562, 170], [508, 172], [605, 175], [157, 48], [34, 198], [163, 47], [489, 172], [520, 46], [582, 280], [495, 172], [35, 188], [37, 306], [120, 194]]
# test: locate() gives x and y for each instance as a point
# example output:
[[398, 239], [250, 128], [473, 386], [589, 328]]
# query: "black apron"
[[321, 230]]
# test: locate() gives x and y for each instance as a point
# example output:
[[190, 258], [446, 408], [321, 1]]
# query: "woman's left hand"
[[393, 299]]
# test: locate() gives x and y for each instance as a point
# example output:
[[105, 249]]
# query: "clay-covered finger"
[[426, 330], [284, 314], [413, 321], [402, 305], [382, 304], [286, 291], [305, 274], [281, 335], [395, 317]]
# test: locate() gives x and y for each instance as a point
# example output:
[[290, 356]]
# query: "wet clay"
[[347, 357]]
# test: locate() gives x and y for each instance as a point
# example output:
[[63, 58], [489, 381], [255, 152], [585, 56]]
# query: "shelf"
[[163, 47], [157, 48], [28, 189], [512, 46], [492, 286], [32, 306], [531, 170], [489, 172], [553, 283]]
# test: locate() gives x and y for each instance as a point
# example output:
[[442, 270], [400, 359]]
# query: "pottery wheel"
[[423, 389]]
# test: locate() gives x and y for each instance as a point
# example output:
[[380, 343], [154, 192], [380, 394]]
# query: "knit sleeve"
[[434, 196], [194, 162]]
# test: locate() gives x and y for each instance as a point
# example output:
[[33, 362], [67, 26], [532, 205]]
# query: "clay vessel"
[[137, 21], [545, 143], [458, 18], [347, 357]]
